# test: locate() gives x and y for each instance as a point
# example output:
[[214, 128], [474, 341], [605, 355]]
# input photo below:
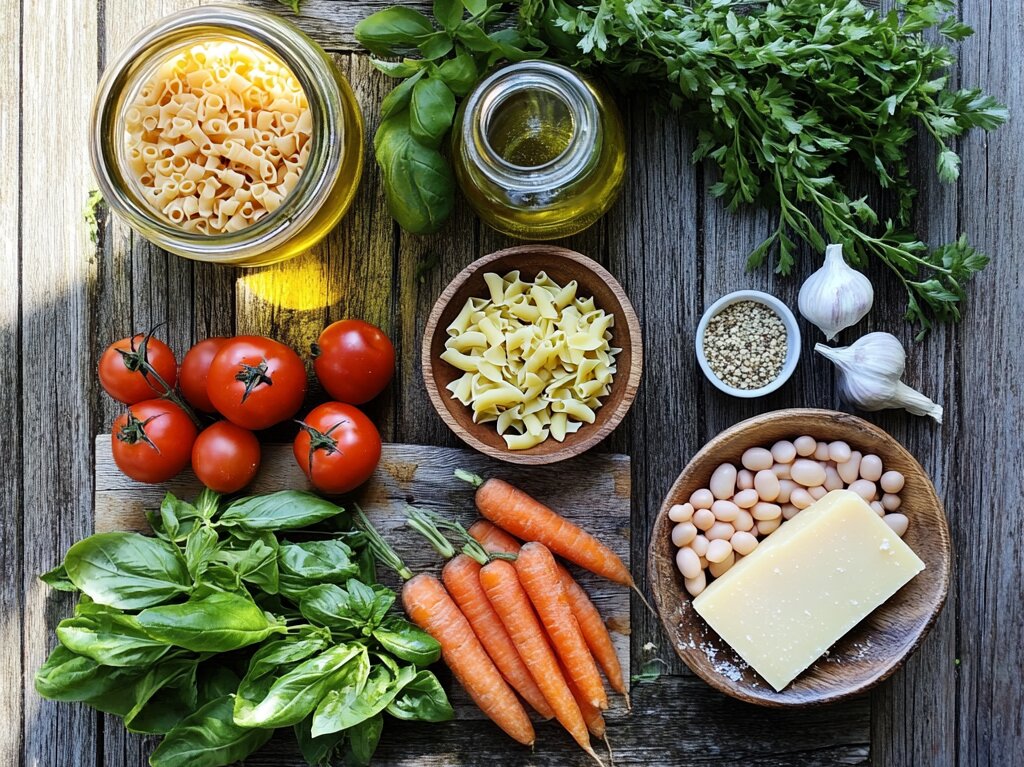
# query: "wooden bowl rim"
[[740, 690], [586, 438]]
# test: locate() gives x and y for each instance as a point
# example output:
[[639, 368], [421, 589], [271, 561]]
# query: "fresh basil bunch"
[[418, 114], [236, 620]]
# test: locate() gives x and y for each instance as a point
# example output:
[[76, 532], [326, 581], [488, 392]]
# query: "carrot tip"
[[643, 599], [594, 755], [608, 745], [629, 703]]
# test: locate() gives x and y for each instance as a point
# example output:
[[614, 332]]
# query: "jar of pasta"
[[539, 151], [225, 134]]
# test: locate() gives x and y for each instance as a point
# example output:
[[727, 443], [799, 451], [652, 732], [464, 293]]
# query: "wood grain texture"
[[563, 266], [877, 646]]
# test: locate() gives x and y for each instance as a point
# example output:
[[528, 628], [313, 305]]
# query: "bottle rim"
[[556, 80], [308, 63]]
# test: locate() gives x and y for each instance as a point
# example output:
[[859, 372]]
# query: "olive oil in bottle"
[[539, 151]]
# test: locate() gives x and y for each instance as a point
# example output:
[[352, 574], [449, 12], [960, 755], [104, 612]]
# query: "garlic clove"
[[836, 296], [870, 370]]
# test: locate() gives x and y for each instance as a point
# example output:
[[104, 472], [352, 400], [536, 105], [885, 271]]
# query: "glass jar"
[[539, 151], [327, 184]]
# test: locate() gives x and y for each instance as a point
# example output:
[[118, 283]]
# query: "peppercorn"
[[745, 345]]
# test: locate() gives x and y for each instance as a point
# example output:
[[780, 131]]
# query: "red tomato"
[[256, 382], [195, 367], [338, 447], [152, 442], [121, 368], [353, 360], [226, 457]]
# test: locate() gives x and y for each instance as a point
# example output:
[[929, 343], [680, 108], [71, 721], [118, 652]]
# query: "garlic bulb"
[[869, 375], [836, 296]]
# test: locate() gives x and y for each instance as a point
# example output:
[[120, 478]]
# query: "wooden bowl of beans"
[[726, 495]]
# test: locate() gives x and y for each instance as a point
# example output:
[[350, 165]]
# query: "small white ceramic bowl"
[[792, 340]]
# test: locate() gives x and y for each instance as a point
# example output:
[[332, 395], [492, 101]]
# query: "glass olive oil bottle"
[[539, 151]]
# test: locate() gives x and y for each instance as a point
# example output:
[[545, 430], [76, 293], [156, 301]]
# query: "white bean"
[[800, 498], [850, 470], [839, 451], [719, 551], [763, 511], [700, 545], [743, 543], [744, 479], [782, 470], [805, 446], [746, 498], [767, 485], [756, 459], [818, 492], [892, 481], [768, 526], [718, 569], [871, 468], [703, 518], [744, 522], [789, 511], [898, 523], [683, 533], [720, 531], [786, 486], [877, 508], [891, 501], [696, 585], [681, 512], [723, 481], [864, 488], [808, 473], [821, 451], [832, 479], [688, 562], [784, 451], [702, 499], [725, 511]]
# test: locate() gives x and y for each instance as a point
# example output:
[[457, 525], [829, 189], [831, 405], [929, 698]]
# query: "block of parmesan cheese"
[[806, 585]]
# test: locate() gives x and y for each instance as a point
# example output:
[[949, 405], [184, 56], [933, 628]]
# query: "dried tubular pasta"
[[536, 358], [218, 136]]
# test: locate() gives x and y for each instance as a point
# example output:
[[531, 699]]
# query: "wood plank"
[[55, 348], [11, 672], [593, 490]]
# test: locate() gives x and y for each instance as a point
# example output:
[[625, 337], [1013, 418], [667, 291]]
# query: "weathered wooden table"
[[959, 700]]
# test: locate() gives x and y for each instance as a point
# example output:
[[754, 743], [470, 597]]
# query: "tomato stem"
[[135, 431], [252, 376], [137, 360]]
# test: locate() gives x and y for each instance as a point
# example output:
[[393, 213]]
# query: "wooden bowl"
[[562, 265], [875, 647]]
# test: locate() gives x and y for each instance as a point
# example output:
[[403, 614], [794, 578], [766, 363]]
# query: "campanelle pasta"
[[537, 359], [218, 136]]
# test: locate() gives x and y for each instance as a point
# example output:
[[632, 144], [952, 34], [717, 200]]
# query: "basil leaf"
[[369, 603], [362, 740], [283, 510], [340, 710], [200, 547], [293, 696], [208, 737], [398, 98], [431, 111], [127, 570], [324, 561], [111, 639], [419, 184], [347, 688], [408, 642], [423, 699], [67, 676], [328, 605], [320, 751], [256, 564], [434, 46], [210, 622], [448, 13], [175, 519], [58, 579], [214, 679], [367, 565], [460, 74], [403, 68], [163, 696], [273, 655], [382, 32]]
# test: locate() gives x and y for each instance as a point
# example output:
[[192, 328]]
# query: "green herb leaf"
[[210, 622], [386, 31], [419, 184], [200, 549], [408, 642], [283, 510], [460, 74], [327, 561], [58, 579], [320, 751], [208, 737], [111, 639], [127, 570], [423, 699], [448, 13], [340, 710], [362, 740], [431, 111]]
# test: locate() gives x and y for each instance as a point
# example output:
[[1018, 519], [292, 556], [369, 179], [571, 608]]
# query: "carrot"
[[539, 576], [461, 577], [494, 539], [591, 714], [429, 607], [501, 583]]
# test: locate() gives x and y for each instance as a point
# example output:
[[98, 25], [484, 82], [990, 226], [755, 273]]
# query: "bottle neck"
[[531, 127]]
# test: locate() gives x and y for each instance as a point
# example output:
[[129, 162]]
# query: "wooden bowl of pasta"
[[552, 358]]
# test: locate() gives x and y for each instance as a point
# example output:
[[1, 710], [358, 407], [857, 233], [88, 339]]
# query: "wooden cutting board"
[[592, 490]]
